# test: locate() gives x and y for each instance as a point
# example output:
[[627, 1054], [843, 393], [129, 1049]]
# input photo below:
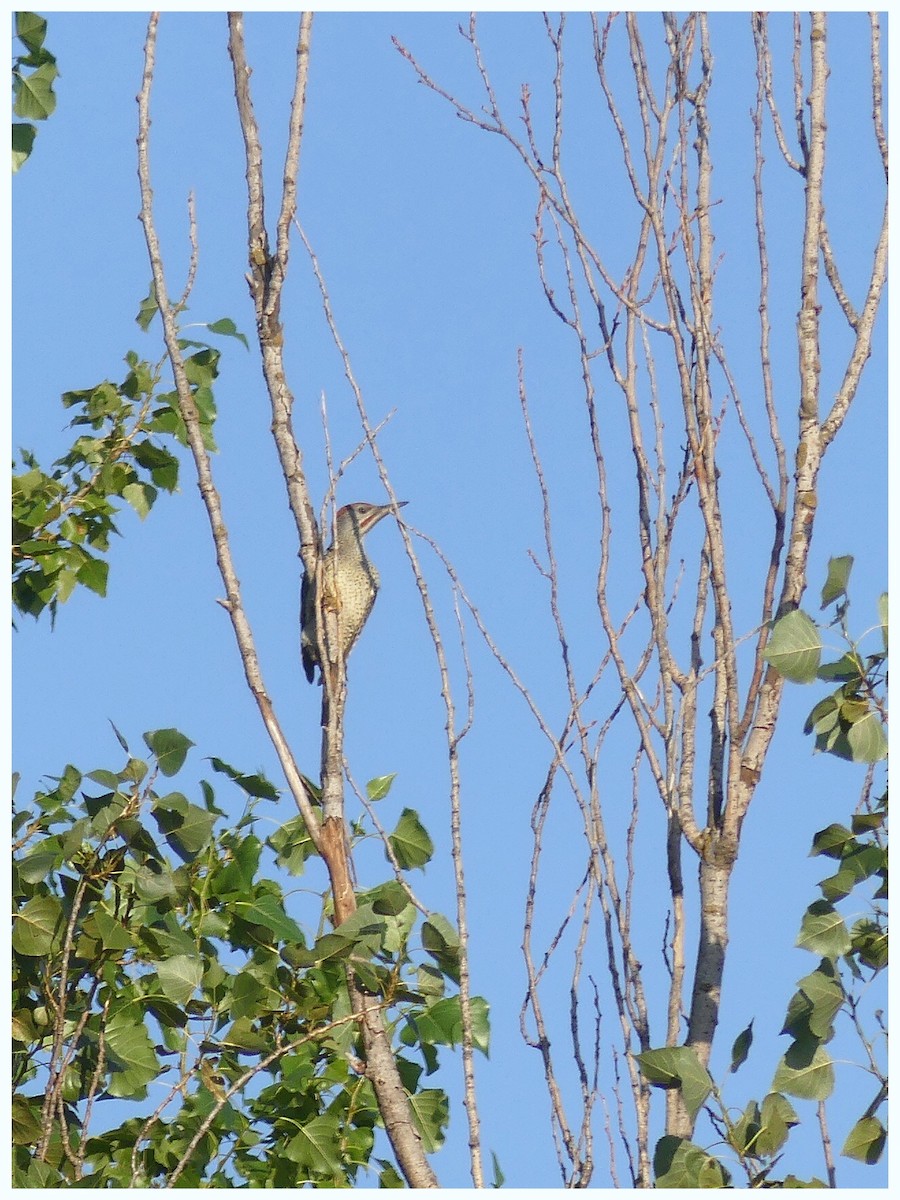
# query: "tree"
[[340, 1010], [848, 724], [647, 333]]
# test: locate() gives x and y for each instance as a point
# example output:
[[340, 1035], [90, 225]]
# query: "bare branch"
[[208, 492], [878, 92], [862, 348], [826, 1144], [267, 274], [760, 23]]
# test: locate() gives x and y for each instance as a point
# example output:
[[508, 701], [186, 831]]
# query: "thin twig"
[[826, 1144]]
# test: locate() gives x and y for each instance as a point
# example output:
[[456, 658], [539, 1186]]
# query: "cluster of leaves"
[[33, 76], [63, 519], [154, 964], [848, 724]]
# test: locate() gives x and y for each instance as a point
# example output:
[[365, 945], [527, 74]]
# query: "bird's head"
[[361, 516]]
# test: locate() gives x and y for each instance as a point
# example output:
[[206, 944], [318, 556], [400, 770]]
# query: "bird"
[[350, 582]]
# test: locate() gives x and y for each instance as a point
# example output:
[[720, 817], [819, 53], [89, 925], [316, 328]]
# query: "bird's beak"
[[377, 514]]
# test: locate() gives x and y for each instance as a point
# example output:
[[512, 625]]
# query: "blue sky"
[[423, 227]]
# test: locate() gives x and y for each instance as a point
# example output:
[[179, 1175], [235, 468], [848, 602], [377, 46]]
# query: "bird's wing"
[[307, 652]]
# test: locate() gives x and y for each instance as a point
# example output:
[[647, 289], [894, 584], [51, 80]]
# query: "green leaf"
[[805, 1071], [132, 1058], [330, 946], [162, 465], [107, 779], [35, 99], [243, 1037], [38, 1175], [795, 647], [865, 822], [170, 749], [39, 862], [94, 575], [429, 981], [441, 1023], [250, 997], [866, 739], [179, 977], [23, 136], [227, 327], [388, 1177], [314, 1148], [364, 929], [825, 721], [870, 943], [26, 1120], [268, 911], [822, 931], [861, 861], [499, 1178], [866, 1140], [153, 884], [108, 931], [838, 886], [120, 738], [140, 496], [741, 1047], [201, 369], [831, 841], [883, 610], [253, 785], [441, 941], [744, 1134], [838, 578], [846, 669], [814, 1005], [292, 845], [135, 770], [377, 789], [776, 1119], [680, 1164], [431, 1113], [36, 928], [187, 828], [148, 309], [31, 30], [410, 841], [237, 875], [677, 1066], [388, 899]]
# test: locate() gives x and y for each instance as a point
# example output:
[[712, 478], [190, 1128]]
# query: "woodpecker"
[[350, 582]]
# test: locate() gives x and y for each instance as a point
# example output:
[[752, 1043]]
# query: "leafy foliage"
[[33, 76], [850, 725], [155, 963], [63, 519], [850, 721]]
